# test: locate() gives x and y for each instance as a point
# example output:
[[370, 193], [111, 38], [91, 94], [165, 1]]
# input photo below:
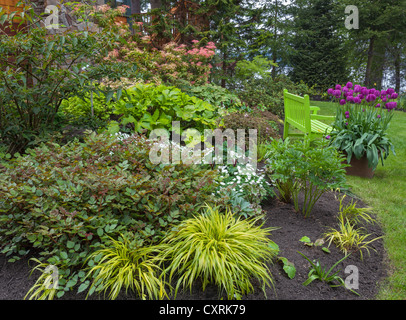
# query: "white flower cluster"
[[122, 136], [243, 179]]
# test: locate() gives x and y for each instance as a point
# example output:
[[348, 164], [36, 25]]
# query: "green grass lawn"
[[386, 194]]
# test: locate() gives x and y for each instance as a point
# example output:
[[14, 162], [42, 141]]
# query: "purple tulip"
[[391, 105], [384, 99], [336, 93], [364, 91], [350, 98], [328, 137], [394, 95], [357, 88], [390, 91], [338, 87], [378, 115], [349, 85], [357, 100], [378, 105], [383, 92], [361, 96], [370, 97], [342, 102], [346, 123], [330, 91]]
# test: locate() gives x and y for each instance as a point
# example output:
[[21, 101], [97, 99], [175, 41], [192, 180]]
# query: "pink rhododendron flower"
[[122, 9], [103, 8]]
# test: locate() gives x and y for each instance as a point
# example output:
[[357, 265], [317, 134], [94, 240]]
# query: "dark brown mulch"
[[292, 226]]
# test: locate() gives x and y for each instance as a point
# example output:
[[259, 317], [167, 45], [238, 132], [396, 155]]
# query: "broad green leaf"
[[83, 286], [64, 255], [305, 239], [100, 232], [326, 250], [288, 267]]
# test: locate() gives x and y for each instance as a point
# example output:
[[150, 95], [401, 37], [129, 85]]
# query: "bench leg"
[[285, 130]]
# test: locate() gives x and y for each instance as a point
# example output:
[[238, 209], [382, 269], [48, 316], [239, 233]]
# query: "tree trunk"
[[156, 4], [397, 69], [135, 6], [274, 52], [378, 64], [223, 80], [375, 63], [369, 62]]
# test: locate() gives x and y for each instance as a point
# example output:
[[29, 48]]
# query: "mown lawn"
[[386, 193]]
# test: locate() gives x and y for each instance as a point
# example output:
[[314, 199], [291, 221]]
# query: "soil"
[[15, 280]]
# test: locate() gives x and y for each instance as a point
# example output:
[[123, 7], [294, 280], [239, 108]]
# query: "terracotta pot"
[[359, 167]]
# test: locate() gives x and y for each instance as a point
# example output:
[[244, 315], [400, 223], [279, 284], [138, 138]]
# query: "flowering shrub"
[[363, 116], [174, 63], [103, 15]]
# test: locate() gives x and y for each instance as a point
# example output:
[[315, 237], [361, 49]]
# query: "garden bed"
[[15, 281]]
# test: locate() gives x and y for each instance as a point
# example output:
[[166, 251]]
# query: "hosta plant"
[[149, 107], [221, 249]]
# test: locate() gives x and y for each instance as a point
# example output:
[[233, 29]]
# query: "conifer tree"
[[319, 57]]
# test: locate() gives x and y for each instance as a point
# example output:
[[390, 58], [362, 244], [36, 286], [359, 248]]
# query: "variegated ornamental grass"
[[349, 238], [119, 266], [220, 249]]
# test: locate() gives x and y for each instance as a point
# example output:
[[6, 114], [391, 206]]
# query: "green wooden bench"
[[303, 117]]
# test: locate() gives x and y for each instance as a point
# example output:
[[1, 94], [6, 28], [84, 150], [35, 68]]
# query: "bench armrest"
[[314, 109]]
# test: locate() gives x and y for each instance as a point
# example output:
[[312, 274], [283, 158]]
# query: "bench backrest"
[[297, 110]]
